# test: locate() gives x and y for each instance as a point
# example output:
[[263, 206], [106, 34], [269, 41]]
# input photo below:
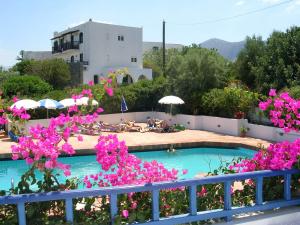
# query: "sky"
[[29, 25]]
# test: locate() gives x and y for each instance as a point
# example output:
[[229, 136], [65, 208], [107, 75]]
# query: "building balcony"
[[65, 46]]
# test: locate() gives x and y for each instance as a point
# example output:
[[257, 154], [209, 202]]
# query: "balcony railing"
[[85, 63], [65, 46], [194, 215]]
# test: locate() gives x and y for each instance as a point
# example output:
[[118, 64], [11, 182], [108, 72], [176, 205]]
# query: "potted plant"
[[243, 131], [239, 115]]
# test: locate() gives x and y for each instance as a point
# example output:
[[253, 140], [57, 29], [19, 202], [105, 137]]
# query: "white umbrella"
[[26, 104], [68, 102], [85, 100], [171, 100]]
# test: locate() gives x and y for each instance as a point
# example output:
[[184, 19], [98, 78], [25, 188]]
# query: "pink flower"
[[15, 99], [79, 138], [272, 92], [184, 171], [109, 91], [29, 161], [91, 83], [100, 110], [133, 205], [125, 213], [67, 173]]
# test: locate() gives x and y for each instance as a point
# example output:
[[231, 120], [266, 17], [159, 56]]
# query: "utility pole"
[[164, 48]]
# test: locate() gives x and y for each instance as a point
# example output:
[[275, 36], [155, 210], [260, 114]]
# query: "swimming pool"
[[195, 160]]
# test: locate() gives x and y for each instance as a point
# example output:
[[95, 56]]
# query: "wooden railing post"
[[193, 199], [287, 186], [113, 207], [259, 191], [227, 199], [155, 205], [69, 210], [21, 213]]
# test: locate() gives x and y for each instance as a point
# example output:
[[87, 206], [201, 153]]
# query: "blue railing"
[[155, 188]]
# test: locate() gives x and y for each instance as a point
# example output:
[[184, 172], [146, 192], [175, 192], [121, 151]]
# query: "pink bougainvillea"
[[279, 156], [122, 168], [284, 112], [3, 119]]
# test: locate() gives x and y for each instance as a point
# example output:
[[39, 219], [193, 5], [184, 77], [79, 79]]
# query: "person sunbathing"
[[132, 127], [165, 126], [152, 123]]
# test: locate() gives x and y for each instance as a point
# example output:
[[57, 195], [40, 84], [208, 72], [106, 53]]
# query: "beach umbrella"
[[85, 100], [171, 100], [26, 104], [67, 102], [123, 106], [50, 104]]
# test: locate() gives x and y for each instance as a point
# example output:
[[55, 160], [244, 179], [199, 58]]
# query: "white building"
[[149, 46], [37, 55], [100, 48]]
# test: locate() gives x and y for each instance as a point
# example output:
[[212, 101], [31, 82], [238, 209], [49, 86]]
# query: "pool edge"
[[137, 148]]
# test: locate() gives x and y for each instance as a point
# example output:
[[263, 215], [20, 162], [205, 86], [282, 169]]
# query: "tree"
[[54, 71], [248, 59], [26, 85], [193, 72], [271, 64], [23, 67]]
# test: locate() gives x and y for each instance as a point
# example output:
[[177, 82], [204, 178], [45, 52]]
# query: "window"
[[120, 38], [127, 79], [133, 59], [96, 79], [81, 37], [81, 57], [155, 48], [72, 58]]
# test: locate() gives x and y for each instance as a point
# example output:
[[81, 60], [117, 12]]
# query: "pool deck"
[[137, 141]]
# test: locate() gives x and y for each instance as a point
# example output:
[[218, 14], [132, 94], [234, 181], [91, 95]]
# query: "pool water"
[[195, 160]]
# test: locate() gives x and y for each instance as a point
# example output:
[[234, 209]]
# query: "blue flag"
[[123, 105]]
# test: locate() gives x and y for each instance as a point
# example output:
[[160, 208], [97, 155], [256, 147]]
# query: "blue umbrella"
[[50, 104]]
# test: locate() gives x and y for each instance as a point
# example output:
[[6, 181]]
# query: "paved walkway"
[[151, 140]]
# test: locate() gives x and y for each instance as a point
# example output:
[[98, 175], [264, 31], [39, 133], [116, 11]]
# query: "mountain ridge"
[[227, 49]]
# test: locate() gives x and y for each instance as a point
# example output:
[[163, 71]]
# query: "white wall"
[[37, 55], [106, 52], [214, 124], [135, 73]]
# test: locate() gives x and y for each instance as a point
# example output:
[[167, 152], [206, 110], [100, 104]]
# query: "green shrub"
[[226, 102], [26, 85], [56, 95], [294, 91], [140, 96]]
